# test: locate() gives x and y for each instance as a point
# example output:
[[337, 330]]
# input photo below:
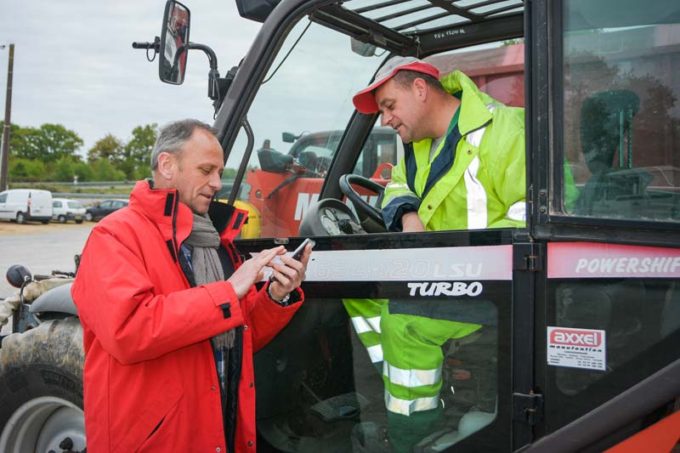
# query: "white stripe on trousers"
[[363, 325], [411, 378], [407, 407]]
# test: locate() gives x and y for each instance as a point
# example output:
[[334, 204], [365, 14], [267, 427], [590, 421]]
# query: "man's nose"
[[216, 182], [384, 121]]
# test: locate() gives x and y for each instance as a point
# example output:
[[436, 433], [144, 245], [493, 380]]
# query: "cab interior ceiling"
[[423, 27]]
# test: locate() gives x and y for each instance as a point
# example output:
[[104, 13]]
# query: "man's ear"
[[420, 88], [167, 166]]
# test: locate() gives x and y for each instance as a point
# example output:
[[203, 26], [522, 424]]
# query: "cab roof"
[[422, 27]]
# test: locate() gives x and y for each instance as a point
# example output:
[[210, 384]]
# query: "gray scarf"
[[206, 265]]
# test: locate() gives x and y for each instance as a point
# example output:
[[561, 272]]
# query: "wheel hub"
[[43, 424]]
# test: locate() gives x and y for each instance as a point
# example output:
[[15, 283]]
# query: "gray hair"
[[173, 136]]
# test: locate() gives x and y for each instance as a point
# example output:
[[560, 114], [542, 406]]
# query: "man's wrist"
[[282, 301], [411, 222]]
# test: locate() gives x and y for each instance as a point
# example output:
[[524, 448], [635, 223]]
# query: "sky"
[[74, 63]]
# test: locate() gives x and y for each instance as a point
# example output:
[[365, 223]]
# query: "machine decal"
[[304, 202], [445, 288], [594, 260], [577, 348], [446, 264]]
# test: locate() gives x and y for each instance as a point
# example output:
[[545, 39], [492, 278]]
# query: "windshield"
[[74, 205], [298, 118], [310, 91]]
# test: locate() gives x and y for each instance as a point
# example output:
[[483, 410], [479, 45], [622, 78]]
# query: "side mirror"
[[287, 137], [17, 275], [256, 10], [174, 43], [363, 49], [273, 161]]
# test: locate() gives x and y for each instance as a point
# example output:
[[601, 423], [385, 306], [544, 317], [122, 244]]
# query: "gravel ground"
[[41, 248]]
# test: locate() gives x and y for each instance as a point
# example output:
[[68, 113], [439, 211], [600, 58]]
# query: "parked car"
[[22, 205], [64, 209], [104, 208]]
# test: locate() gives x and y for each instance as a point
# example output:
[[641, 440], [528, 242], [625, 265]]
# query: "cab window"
[[621, 161], [621, 115], [298, 118], [496, 68]]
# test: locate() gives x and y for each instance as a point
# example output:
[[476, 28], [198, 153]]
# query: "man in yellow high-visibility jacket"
[[463, 168]]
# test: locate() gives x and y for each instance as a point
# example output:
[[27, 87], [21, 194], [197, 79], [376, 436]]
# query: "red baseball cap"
[[364, 100]]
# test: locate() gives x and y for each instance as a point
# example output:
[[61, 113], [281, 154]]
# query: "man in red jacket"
[[170, 313]]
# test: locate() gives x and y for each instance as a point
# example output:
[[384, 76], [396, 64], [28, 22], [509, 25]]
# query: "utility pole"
[[4, 152]]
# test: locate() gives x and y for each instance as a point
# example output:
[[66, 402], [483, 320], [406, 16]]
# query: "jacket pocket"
[[153, 420]]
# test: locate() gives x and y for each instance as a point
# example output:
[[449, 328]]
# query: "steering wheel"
[[330, 217], [370, 216]]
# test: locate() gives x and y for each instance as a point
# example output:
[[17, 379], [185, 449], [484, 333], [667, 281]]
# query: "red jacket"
[[150, 381]]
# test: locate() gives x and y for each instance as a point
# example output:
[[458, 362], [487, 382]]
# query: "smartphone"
[[297, 254]]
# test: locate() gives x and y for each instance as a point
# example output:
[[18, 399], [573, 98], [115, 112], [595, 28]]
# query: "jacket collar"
[[474, 111], [175, 219]]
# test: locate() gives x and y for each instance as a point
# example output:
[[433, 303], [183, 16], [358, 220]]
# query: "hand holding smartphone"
[[297, 254]]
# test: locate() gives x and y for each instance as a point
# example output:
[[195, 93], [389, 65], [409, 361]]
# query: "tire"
[[21, 217], [61, 219], [79, 221], [41, 392], [89, 217], [45, 222]]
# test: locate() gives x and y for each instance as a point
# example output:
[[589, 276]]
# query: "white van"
[[22, 205]]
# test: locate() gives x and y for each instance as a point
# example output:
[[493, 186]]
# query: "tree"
[[63, 170], [83, 171], [66, 169], [47, 143], [137, 152], [26, 170], [109, 148], [104, 170], [56, 141], [14, 136]]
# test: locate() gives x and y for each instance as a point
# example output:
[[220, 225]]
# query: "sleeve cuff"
[[395, 210], [224, 297]]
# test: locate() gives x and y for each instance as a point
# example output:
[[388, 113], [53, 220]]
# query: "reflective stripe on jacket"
[[150, 381], [479, 184]]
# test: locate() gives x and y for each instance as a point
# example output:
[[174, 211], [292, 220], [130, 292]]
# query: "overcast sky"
[[74, 64]]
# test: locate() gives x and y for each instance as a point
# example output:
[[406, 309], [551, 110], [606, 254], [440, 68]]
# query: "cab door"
[[404, 342], [606, 144]]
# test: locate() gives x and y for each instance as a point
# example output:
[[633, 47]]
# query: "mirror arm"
[[213, 74], [217, 87], [212, 58]]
